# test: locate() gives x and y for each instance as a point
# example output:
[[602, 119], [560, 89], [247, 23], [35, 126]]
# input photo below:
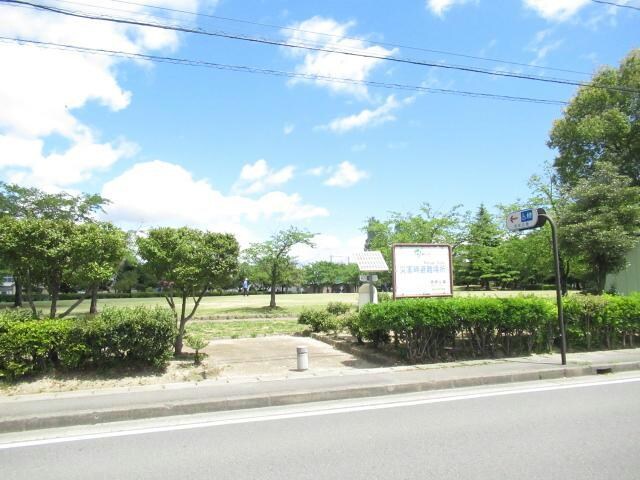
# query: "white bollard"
[[303, 358]]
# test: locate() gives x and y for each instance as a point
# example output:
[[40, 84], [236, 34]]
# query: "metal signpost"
[[535, 218]]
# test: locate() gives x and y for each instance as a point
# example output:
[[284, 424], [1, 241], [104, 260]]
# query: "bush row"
[[436, 329], [139, 336]]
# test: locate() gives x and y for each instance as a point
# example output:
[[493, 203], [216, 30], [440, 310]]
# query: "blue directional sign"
[[523, 219], [526, 215]]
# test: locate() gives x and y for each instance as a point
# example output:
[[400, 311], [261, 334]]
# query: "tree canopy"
[[188, 262], [274, 256], [601, 125]]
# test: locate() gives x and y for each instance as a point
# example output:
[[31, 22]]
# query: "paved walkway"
[[28, 412]]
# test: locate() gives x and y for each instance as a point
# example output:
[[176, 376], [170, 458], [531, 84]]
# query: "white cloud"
[[557, 10], [317, 171], [175, 198], [368, 118], [541, 46], [28, 165], [41, 88], [288, 128], [329, 34], [330, 248], [346, 175], [439, 7], [258, 177]]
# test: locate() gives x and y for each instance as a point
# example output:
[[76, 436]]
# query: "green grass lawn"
[[229, 306], [255, 306], [245, 328]]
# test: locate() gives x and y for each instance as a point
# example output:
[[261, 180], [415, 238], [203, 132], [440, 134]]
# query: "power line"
[[330, 35], [279, 73], [613, 4], [316, 49]]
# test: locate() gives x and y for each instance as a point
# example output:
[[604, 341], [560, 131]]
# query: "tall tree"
[[601, 125], [98, 249], [28, 202], [188, 262], [274, 255], [602, 222], [480, 249]]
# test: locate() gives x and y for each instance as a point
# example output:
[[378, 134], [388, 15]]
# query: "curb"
[[8, 425]]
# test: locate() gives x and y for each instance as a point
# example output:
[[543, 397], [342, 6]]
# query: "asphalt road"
[[587, 429]]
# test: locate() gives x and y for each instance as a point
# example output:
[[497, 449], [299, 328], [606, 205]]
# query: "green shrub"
[[29, 346], [197, 343], [338, 308], [316, 319], [351, 321], [139, 336], [431, 328]]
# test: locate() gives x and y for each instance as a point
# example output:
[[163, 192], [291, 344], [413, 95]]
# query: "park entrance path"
[[270, 357]]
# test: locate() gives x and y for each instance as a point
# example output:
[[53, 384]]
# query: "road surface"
[[586, 428]]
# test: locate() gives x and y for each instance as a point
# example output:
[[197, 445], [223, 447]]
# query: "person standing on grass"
[[245, 287]]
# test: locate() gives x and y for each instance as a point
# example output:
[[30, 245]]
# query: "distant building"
[[8, 285], [628, 280]]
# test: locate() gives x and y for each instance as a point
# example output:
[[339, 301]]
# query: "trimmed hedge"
[[433, 329], [117, 336]]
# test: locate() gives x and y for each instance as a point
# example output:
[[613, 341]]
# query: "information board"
[[422, 270]]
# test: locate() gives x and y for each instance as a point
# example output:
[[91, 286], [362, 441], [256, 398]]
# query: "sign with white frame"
[[422, 270]]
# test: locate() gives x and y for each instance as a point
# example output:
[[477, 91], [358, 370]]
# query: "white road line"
[[317, 411]]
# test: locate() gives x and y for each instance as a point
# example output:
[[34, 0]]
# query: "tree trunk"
[[17, 300], [30, 297], [183, 321], [274, 279], [93, 309], [54, 292]]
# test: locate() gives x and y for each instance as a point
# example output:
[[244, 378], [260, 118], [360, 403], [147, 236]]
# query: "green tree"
[[188, 262], [601, 125], [274, 256], [98, 249], [427, 226], [479, 262], [28, 202], [40, 251], [602, 222]]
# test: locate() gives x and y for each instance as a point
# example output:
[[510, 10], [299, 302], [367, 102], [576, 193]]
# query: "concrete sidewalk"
[[30, 412]]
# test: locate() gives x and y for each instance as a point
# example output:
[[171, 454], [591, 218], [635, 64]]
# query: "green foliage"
[[429, 328], [117, 336], [326, 274], [318, 320], [338, 308], [196, 342], [602, 321], [601, 125], [139, 335], [602, 223], [188, 262], [28, 202], [427, 226], [479, 253], [273, 256]]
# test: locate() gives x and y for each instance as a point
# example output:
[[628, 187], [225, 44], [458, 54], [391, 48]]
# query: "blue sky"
[[252, 153]]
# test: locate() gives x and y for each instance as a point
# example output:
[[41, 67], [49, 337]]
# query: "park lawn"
[[211, 329], [255, 306], [232, 306]]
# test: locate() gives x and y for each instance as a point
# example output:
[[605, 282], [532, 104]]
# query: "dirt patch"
[[179, 370]]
